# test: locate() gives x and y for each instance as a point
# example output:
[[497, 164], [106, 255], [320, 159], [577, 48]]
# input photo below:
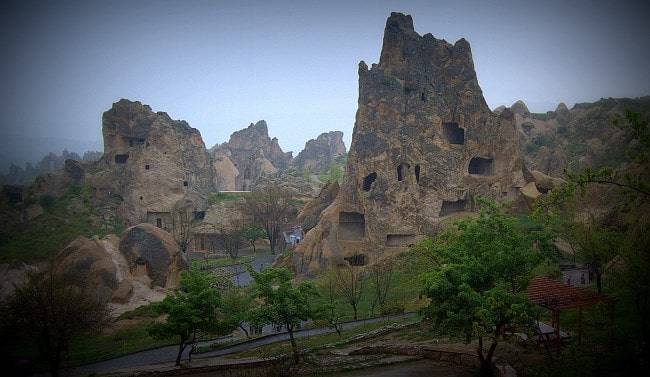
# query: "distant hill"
[[20, 149]]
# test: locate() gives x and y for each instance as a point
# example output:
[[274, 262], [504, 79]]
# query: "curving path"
[[168, 353]]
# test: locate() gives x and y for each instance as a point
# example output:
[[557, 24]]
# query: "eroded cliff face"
[[577, 138], [249, 154], [424, 146], [151, 161], [319, 153]]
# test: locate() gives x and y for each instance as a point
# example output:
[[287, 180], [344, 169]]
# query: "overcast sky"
[[222, 65]]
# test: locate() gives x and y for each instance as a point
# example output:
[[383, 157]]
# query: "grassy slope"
[[45, 235]]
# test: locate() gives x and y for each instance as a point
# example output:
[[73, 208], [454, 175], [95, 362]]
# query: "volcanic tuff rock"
[[151, 161], [154, 251], [310, 213], [89, 263], [319, 153], [425, 144], [246, 156], [581, 137]]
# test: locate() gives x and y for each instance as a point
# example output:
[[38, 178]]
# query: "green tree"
[[478, 287], [253, 233], [269, 207], [51, 310], [335, 173], [283, 302], [193, 312], [237, 304], [328, 284]]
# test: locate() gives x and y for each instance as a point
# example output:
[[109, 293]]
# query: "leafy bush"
[[47, 201]]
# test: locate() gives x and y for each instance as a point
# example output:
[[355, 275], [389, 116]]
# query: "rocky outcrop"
[[151, 161], [319, 153], [310, 213], [89, 263], [576, 138], [151, 250], [520, 108], [248, 154], [425, 144]]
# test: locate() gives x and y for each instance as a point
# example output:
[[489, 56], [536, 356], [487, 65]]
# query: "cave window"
[[243, 187], [352, 226], [480, 166], [159, 222], [417, 173], [449, 207], [185, 183], [121, 158], [141, 198], [402, 169], [357, 260], [423, 97], [199, 215], [368, 181], [400, 240], [146, 167], [453, 134]]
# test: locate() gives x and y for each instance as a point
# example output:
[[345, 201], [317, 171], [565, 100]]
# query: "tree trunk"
[[181, 348], [294, 345], [599, 280], [486, 360], [241, 326]]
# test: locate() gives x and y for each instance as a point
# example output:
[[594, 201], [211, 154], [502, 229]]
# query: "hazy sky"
[[222, 65]]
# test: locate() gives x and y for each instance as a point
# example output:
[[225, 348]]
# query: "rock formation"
[[154, 251], [581, 137], [310, 213], [319, 153], [151, 161], [90, 263], [248, 154], [425, 144]]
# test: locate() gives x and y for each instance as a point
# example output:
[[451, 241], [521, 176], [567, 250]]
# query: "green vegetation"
[[218, 197], [63, 220], [49, 311], [220, 262], [281, 302], [477, 288], [193, 312], [319, 341]]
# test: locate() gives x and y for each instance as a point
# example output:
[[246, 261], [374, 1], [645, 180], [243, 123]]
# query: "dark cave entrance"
[[121, 158], [368, 180], [352, 226], [449, 207], [480, 166], [453, 134], [402, 170]]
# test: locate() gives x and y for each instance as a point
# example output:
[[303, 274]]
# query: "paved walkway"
[[167, 354]]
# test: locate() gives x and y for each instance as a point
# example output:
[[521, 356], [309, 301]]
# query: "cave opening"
[[368, 180], [452, 133], [402, 170], [121, 158], [400, 240], [417, 173], [480, 166], [449, 207], [357, 260], [352, 226]]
